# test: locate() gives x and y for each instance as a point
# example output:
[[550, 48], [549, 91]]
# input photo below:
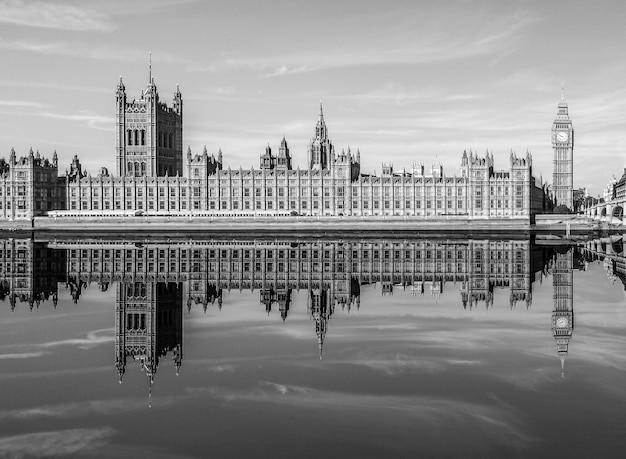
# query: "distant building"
[[619, 189], [29, 186]]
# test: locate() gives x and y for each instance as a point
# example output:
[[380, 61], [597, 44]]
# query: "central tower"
[[149, 134], [320, 148], [563, 146]]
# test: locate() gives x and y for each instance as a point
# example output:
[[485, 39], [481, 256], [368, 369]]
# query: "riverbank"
[[565, 225]]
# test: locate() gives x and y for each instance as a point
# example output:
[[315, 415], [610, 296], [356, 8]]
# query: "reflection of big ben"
[[563, 313]]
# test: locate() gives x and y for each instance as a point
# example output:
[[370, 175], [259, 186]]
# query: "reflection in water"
[[148, 325], [154, 280], [563, 313]]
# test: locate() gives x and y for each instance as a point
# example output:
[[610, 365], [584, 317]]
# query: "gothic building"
[[154, 178], [331, 185], [29, 186], [563, 164]]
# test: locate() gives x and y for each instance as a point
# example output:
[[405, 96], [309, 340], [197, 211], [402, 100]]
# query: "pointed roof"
[[562, 107]]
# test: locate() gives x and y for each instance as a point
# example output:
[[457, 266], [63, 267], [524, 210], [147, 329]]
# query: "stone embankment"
[[565, 225], [278, 224]]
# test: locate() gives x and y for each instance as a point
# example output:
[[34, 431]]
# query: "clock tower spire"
[[563, 147]]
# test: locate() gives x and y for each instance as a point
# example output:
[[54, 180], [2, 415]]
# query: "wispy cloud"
[[84, 50], [95, 121], [53, 15], [492, 422], [21, 104], [93, 338], [55, 443], [425, 47], [23, 355]]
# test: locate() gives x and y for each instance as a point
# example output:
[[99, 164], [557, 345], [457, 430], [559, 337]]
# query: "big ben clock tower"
[[563, 146], [563, 312]]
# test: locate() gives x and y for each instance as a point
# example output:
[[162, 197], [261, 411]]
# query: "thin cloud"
[[21, 104], [55, 443], [427, 49], [494, 423], [24, 355], [53, 15], [103, 123], [92, 339], [83, 50]]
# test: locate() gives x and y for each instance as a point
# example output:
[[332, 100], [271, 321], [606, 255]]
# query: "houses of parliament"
[[154, 177]]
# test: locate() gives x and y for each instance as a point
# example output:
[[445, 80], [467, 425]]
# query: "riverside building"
[[155, 178]]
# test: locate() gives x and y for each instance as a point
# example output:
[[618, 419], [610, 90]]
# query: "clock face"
[[562, 136], [562, 322]]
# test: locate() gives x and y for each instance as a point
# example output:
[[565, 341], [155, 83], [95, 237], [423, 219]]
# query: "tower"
[[563, 296], [320, 148], [563, 146], [149, 133]]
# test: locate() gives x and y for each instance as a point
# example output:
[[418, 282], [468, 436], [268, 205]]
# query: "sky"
[[404, 82]]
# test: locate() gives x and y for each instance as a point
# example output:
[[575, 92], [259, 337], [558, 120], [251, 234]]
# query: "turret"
[[121, 93], [178, 101]]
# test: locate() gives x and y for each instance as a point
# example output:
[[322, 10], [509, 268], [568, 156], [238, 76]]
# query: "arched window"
[[130, 137], [129, 168], [196, 172], [143, 136], [170, 140], [137, 170], [143, 169], [136, 137]]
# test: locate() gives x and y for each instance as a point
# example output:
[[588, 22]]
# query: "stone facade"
[[29, 186], [154, 178], [332, 185], [148, 133]]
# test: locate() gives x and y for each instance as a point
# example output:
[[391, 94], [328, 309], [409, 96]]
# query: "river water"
[[356, 347]]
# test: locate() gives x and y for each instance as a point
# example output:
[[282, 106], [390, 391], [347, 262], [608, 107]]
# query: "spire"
[[150, 67], [320, 343], [120, 86], [563, 91], [321, 113]]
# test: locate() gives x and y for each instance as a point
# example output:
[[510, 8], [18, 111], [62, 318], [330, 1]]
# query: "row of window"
[[235, 254], [138, 137]]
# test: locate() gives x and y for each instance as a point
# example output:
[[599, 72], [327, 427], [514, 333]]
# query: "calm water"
[[311, 348]]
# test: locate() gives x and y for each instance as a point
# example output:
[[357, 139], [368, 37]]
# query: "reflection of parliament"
[[155, 280], [155, 178]]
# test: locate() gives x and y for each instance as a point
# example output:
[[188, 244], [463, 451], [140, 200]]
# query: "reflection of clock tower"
[[563, 146], [563, 313]]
